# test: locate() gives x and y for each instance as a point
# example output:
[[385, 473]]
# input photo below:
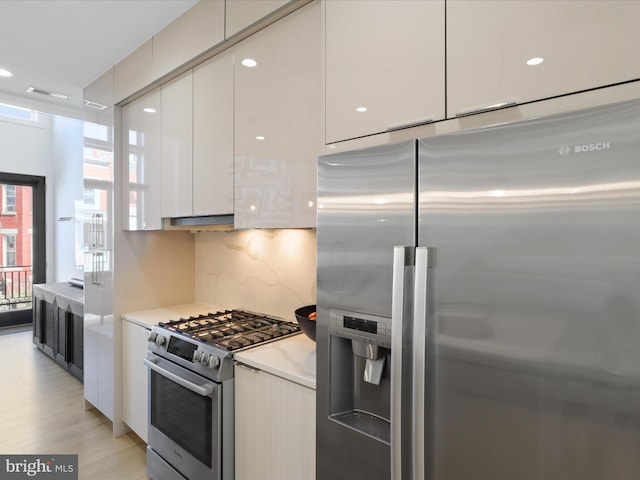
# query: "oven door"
[[185, 419]]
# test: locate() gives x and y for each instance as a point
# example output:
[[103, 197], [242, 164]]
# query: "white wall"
[[24, 148], [66, 156], [42, 150]]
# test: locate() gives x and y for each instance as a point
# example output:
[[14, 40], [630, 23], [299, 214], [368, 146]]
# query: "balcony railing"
[[15, 287]]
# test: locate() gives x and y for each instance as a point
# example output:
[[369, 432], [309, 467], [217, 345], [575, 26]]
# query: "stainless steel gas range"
[[191, 393]]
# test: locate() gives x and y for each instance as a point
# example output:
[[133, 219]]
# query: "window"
[[91, 197], [21, 115], [9, 250], [8, 199], [97, 149], [96, 131]]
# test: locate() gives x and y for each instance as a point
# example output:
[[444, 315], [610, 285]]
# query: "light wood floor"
[[42, 412]]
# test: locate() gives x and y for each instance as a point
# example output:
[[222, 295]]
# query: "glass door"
[[21, 245]]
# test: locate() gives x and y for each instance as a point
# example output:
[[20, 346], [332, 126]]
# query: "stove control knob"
[[197, 356], [204, 359], [152, 337], [160, 340], [214, 362]]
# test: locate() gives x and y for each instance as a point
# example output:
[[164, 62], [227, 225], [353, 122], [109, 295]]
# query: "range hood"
[[202, 223]]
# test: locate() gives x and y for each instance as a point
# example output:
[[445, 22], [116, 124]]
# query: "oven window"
[[183, 416]]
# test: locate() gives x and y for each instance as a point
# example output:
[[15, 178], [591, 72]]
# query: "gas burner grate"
[[232, 329]]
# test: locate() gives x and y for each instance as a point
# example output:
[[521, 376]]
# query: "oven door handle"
[[204, 390]]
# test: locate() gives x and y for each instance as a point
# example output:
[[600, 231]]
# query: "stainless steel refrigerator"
[[479, 304]]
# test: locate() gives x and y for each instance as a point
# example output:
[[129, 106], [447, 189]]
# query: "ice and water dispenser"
[[360, 374]]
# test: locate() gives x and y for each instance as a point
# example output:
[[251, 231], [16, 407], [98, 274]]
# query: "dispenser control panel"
[[361, 326]]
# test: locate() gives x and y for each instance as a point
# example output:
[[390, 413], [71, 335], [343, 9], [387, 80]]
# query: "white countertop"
[[292, 358]]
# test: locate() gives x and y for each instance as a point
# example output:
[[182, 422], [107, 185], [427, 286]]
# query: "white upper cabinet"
[[213, 136], [278, 132], [385, 65], [177, 146], [197, 30], [197, 141], [583, 44], [240, 14], [100, 93], [134, 72], [142, 157]]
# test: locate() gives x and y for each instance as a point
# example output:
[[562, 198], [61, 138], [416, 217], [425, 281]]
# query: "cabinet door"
[[134, 378], [134, 72], [62, 330], [75, 345], [192, 33], [39, 321], [385, 65], [274, 427], [213, 136], [241, 14], [177, 146], [99, 329], [278, 133], [50, 341], [142, 175], [583, 44]]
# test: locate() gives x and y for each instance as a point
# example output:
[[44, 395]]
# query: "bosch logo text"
[[585, 147]]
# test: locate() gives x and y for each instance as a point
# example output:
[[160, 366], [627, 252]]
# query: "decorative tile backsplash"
[[266, 271]]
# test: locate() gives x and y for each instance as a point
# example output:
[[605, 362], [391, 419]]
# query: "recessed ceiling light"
[[259, 137], [40, 91], [535, 61], [149, 110], [361, 109], [5, 73], [95, 105], [63, 96], [249, 62]]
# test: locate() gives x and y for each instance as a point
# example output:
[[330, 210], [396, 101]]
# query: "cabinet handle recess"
[[416, 123], [247, 367], [488, 108]]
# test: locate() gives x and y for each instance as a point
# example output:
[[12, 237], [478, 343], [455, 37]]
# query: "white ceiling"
[[63, 45]]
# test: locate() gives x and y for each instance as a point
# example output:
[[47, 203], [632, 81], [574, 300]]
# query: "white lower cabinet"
[[274, 427], [134, 377]]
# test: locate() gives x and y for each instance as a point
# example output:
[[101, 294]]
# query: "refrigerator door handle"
[[420, 310], [402, 258]]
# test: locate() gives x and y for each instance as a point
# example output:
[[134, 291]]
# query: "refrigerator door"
[[533, 326], [366, 206]]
